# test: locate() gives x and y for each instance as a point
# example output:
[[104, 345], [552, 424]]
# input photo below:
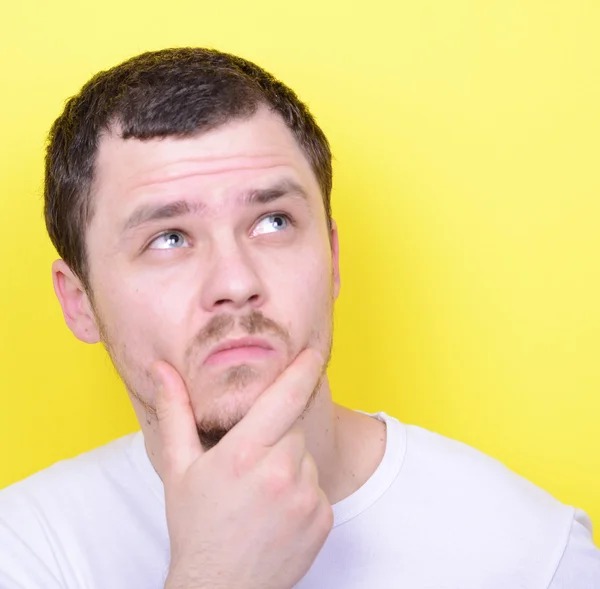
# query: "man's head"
[[187, 193]]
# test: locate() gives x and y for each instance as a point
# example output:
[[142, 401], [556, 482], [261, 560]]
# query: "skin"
[[170, 289]]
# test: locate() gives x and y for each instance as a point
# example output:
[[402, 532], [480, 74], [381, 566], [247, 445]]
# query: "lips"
[[239, 349]]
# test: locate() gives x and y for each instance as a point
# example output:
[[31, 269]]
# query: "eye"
[[272, 224], [168, 240]]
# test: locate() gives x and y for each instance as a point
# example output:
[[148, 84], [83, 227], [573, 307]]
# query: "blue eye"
[[272, 224], [168, 240]]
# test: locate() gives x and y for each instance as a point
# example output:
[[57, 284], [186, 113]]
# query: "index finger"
[[277, 409], [176, 421]]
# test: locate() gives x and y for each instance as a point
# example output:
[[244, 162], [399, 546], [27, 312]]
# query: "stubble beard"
[[212, 429]]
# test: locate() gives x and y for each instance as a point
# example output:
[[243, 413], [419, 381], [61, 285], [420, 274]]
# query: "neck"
[[322, 429]]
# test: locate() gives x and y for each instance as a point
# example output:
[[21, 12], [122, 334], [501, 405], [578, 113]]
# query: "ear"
[[75, 303], [335, 259]]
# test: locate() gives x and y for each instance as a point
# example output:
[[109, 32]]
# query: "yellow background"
[[467, 144]]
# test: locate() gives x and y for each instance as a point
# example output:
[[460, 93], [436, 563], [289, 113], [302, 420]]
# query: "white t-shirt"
[[436, 514]]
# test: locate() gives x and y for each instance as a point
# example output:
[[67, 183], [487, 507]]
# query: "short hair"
[[176, 92]]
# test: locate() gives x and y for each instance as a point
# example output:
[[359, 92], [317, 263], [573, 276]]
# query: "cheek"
[[144, 321], [307, 296]]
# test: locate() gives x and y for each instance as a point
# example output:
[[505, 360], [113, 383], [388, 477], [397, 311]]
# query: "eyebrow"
[[147, 213], [262, 196]]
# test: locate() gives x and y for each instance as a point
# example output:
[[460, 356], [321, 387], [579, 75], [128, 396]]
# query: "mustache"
[[221, 325]]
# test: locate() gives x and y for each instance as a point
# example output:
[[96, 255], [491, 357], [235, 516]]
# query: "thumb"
[[176, 422]]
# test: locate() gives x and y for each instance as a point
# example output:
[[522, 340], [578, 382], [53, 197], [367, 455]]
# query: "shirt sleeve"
[[579, 567]]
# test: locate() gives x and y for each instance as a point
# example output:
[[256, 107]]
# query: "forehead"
[[238, 151]]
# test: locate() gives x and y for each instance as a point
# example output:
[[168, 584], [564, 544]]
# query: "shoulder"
[[482, 509], [41, 516], [579, 566], [65, 487], [469, 477], [65, 476]]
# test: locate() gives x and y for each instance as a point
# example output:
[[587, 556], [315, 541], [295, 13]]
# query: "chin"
[[226, 398], [227, 408]]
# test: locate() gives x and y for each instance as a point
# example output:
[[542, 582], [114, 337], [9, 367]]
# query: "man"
[[187, 193]]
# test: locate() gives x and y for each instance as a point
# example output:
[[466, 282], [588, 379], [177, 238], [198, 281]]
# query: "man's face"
[[200, 241]]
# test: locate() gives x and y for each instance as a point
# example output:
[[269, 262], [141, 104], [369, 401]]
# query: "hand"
[[248, 513]]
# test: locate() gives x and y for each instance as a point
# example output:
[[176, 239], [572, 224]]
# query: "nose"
[[233, 280]]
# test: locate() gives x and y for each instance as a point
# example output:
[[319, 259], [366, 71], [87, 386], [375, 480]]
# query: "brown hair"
[[171, 92]]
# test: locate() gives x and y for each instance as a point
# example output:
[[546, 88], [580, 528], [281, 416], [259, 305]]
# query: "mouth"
[[240, 351]]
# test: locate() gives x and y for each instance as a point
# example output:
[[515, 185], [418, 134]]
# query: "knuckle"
[[308, 501], [244, 459], [281, 475]]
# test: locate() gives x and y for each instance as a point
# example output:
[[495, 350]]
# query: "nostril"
[[238, 302]]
